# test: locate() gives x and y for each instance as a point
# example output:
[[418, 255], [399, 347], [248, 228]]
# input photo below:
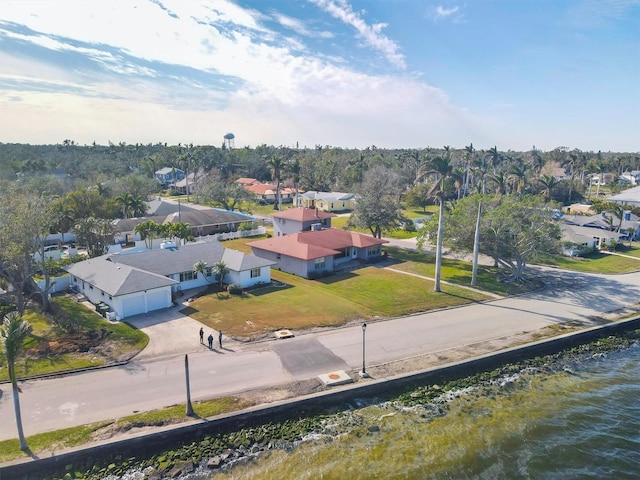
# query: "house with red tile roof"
[[300, 219], [315, 253], [266, 192], [247, 181]]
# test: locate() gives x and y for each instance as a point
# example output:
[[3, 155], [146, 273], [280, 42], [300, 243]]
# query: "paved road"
[[156, 379]]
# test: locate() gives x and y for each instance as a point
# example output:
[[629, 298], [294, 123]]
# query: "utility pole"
[[189, 411]]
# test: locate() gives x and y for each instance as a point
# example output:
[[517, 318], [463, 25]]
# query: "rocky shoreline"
[[223, 451]]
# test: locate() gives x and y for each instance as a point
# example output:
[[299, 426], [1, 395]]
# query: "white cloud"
[[442, 12], [371, 34]]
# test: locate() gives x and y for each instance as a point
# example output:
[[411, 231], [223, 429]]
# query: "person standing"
[[220, 338], [201, 335], [210, 341]]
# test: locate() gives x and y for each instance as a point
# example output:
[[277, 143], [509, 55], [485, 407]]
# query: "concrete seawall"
[[328, 401]]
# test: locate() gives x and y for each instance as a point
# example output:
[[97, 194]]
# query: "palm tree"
[[148, 230], [13, 333], [203, 268], [468, 160], [221, 270], [443, 168], [548, 182], [294, 169], [537, 162], [500, 183], [494, 156], [518, 176], [276, 166], [125, 201]]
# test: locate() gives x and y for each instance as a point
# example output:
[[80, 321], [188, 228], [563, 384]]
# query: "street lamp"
[[363, 373]]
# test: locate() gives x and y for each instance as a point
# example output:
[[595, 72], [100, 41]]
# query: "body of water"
[[580, 422]]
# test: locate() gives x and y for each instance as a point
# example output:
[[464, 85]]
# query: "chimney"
[[316, 212]]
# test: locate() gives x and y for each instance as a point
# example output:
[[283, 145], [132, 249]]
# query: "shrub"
[[234, 289]]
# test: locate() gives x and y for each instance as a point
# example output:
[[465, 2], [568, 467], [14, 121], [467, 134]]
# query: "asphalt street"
[[156, 377]]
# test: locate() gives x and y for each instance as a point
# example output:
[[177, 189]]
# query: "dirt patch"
[[70, 343]]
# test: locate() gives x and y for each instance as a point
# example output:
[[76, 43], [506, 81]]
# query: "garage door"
[[158, 299], [133, 305]]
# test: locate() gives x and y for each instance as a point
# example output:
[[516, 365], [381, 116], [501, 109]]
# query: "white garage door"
[[158, 299], [133, 305]]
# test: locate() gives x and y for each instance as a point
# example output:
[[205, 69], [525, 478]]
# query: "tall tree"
[[294, 169], [276, 167], [25, 221], [13, 333], [444, 169], [548, 183], [513, 231], [377, 208], [221, 270]]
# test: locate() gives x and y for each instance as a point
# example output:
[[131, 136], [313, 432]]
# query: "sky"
[[345, 73]]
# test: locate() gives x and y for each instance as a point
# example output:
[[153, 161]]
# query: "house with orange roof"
[[247, 181], [315, 253], [300, 219], [266, 193]]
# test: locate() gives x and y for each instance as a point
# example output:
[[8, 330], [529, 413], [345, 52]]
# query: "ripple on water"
[[562, 425]]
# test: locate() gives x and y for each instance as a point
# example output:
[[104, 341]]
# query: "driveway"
[[171, 332]]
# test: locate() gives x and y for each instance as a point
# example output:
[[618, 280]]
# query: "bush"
[[234, 289]]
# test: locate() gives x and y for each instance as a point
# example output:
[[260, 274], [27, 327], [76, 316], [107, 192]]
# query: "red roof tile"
[[316, 244], [302, 214]]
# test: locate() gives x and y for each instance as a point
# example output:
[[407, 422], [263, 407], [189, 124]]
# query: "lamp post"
[[364, 373]]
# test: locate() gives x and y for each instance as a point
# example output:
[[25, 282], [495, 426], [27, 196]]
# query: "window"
[[320, 263], [208, 272], [255, 272], [186, 276], [373, 250]]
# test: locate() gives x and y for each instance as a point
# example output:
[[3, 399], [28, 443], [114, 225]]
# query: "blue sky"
[[346, 73]]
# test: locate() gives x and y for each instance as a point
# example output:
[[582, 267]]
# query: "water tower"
[[229, 140]]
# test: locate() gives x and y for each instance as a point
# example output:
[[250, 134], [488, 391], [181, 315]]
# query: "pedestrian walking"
[[220, 338], [210, 341], [201, 335]]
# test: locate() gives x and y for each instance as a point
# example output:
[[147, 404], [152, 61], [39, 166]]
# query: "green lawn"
[[598, 262], [300, 303]]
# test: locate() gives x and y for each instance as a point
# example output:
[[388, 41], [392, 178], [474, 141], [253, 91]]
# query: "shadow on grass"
[[339, 277], [266, 290], [188, 311]]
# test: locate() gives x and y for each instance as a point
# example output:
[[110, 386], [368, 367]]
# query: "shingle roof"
[[158, 206], [632, 195], [117, 279], [182, 259], [578, 234], [211, 216], [328, 196]]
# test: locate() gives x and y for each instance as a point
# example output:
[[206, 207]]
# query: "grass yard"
[[299, 303], [599, 262], [454, 271]]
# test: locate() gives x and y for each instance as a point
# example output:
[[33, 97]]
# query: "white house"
[[140, 282]]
